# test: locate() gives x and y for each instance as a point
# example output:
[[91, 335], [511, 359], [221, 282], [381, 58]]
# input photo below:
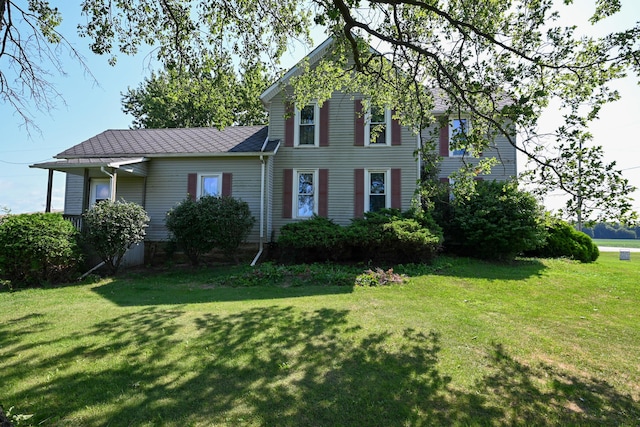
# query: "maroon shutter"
[[358, 124], [358, 202], [323, 193], [324, 124], [478, 178], [444, 180], [396, 132], [192, 186], [396, 188], [227, 184], [287, 193], [288, 125], [444, 140]]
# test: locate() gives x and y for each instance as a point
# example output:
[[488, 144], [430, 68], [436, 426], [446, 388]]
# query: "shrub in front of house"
[[38, 248], [388, 236], [498, 222], [316, 239], [563, 240], [111, 228], [197, 227]]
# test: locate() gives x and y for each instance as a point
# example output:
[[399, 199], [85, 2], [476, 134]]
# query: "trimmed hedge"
[[388, 236], [38, 248]]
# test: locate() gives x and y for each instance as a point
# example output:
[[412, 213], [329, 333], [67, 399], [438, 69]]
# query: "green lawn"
[[464, 342], [618, 243]]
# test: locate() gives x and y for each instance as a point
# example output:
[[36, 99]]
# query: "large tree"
[[198, 98], [502, 62]]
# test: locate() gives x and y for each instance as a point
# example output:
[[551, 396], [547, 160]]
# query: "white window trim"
[[94, 184], [367, 129], [452, 153], [203, 175], [316, 129], [296, 182], [367, 187]]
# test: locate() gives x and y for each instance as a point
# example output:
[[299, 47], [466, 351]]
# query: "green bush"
[[111, 228], [565, 241], [387, 236], [211, 222], [316, 239], [36, 248], [498, 222]]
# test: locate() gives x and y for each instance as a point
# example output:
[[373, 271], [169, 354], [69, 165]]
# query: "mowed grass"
[[548, 342], [618, 243]]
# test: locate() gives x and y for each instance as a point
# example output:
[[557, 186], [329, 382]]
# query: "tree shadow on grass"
[[519, 269], [282, 366]]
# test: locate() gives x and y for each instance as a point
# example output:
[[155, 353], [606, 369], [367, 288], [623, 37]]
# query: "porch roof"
[[77, 165], [233, 140]]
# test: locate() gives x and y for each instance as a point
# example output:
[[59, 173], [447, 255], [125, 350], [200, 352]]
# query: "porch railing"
[[76, 220]]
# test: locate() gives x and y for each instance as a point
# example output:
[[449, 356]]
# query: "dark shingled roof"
[[191, 141]]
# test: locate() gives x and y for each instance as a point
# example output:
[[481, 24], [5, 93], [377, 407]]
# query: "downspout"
[[112, 196], [262, 182]]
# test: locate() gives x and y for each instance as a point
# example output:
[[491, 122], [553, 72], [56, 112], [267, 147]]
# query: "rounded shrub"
[[498, 222], [111, 228], [37, 248], [211, 222], [565, 241]]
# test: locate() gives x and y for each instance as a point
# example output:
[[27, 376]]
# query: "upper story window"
[[377, 130], [458, 129], [307, 126], [377, 188], [209, 184], [306, 202]]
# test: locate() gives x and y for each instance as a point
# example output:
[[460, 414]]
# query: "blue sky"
[[90, 108]]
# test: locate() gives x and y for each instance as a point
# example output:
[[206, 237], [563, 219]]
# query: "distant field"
[[618, 243]]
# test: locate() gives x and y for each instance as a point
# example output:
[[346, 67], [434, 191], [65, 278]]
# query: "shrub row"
[[37, 248], [388, 236]]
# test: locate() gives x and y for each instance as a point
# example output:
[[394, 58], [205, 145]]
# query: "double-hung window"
[[209, 184], [458, 130], [305, 197], [377, 130], [307, 126], [378, 194]]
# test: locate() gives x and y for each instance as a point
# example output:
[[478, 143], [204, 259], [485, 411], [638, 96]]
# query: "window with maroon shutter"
[[287, 193], [396, 188], [358, 126], [323, 193], [444, 139], [289, 125], [324, 124], [358, 193], [227, 184], [396, 132]]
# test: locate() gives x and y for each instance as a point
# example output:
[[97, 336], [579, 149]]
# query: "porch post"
[[47, 207], [85, 191]]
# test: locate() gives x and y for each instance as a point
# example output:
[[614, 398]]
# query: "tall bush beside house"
[[211, 222], [39, 247], [316, 239], [498, 222], [111, 228]]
